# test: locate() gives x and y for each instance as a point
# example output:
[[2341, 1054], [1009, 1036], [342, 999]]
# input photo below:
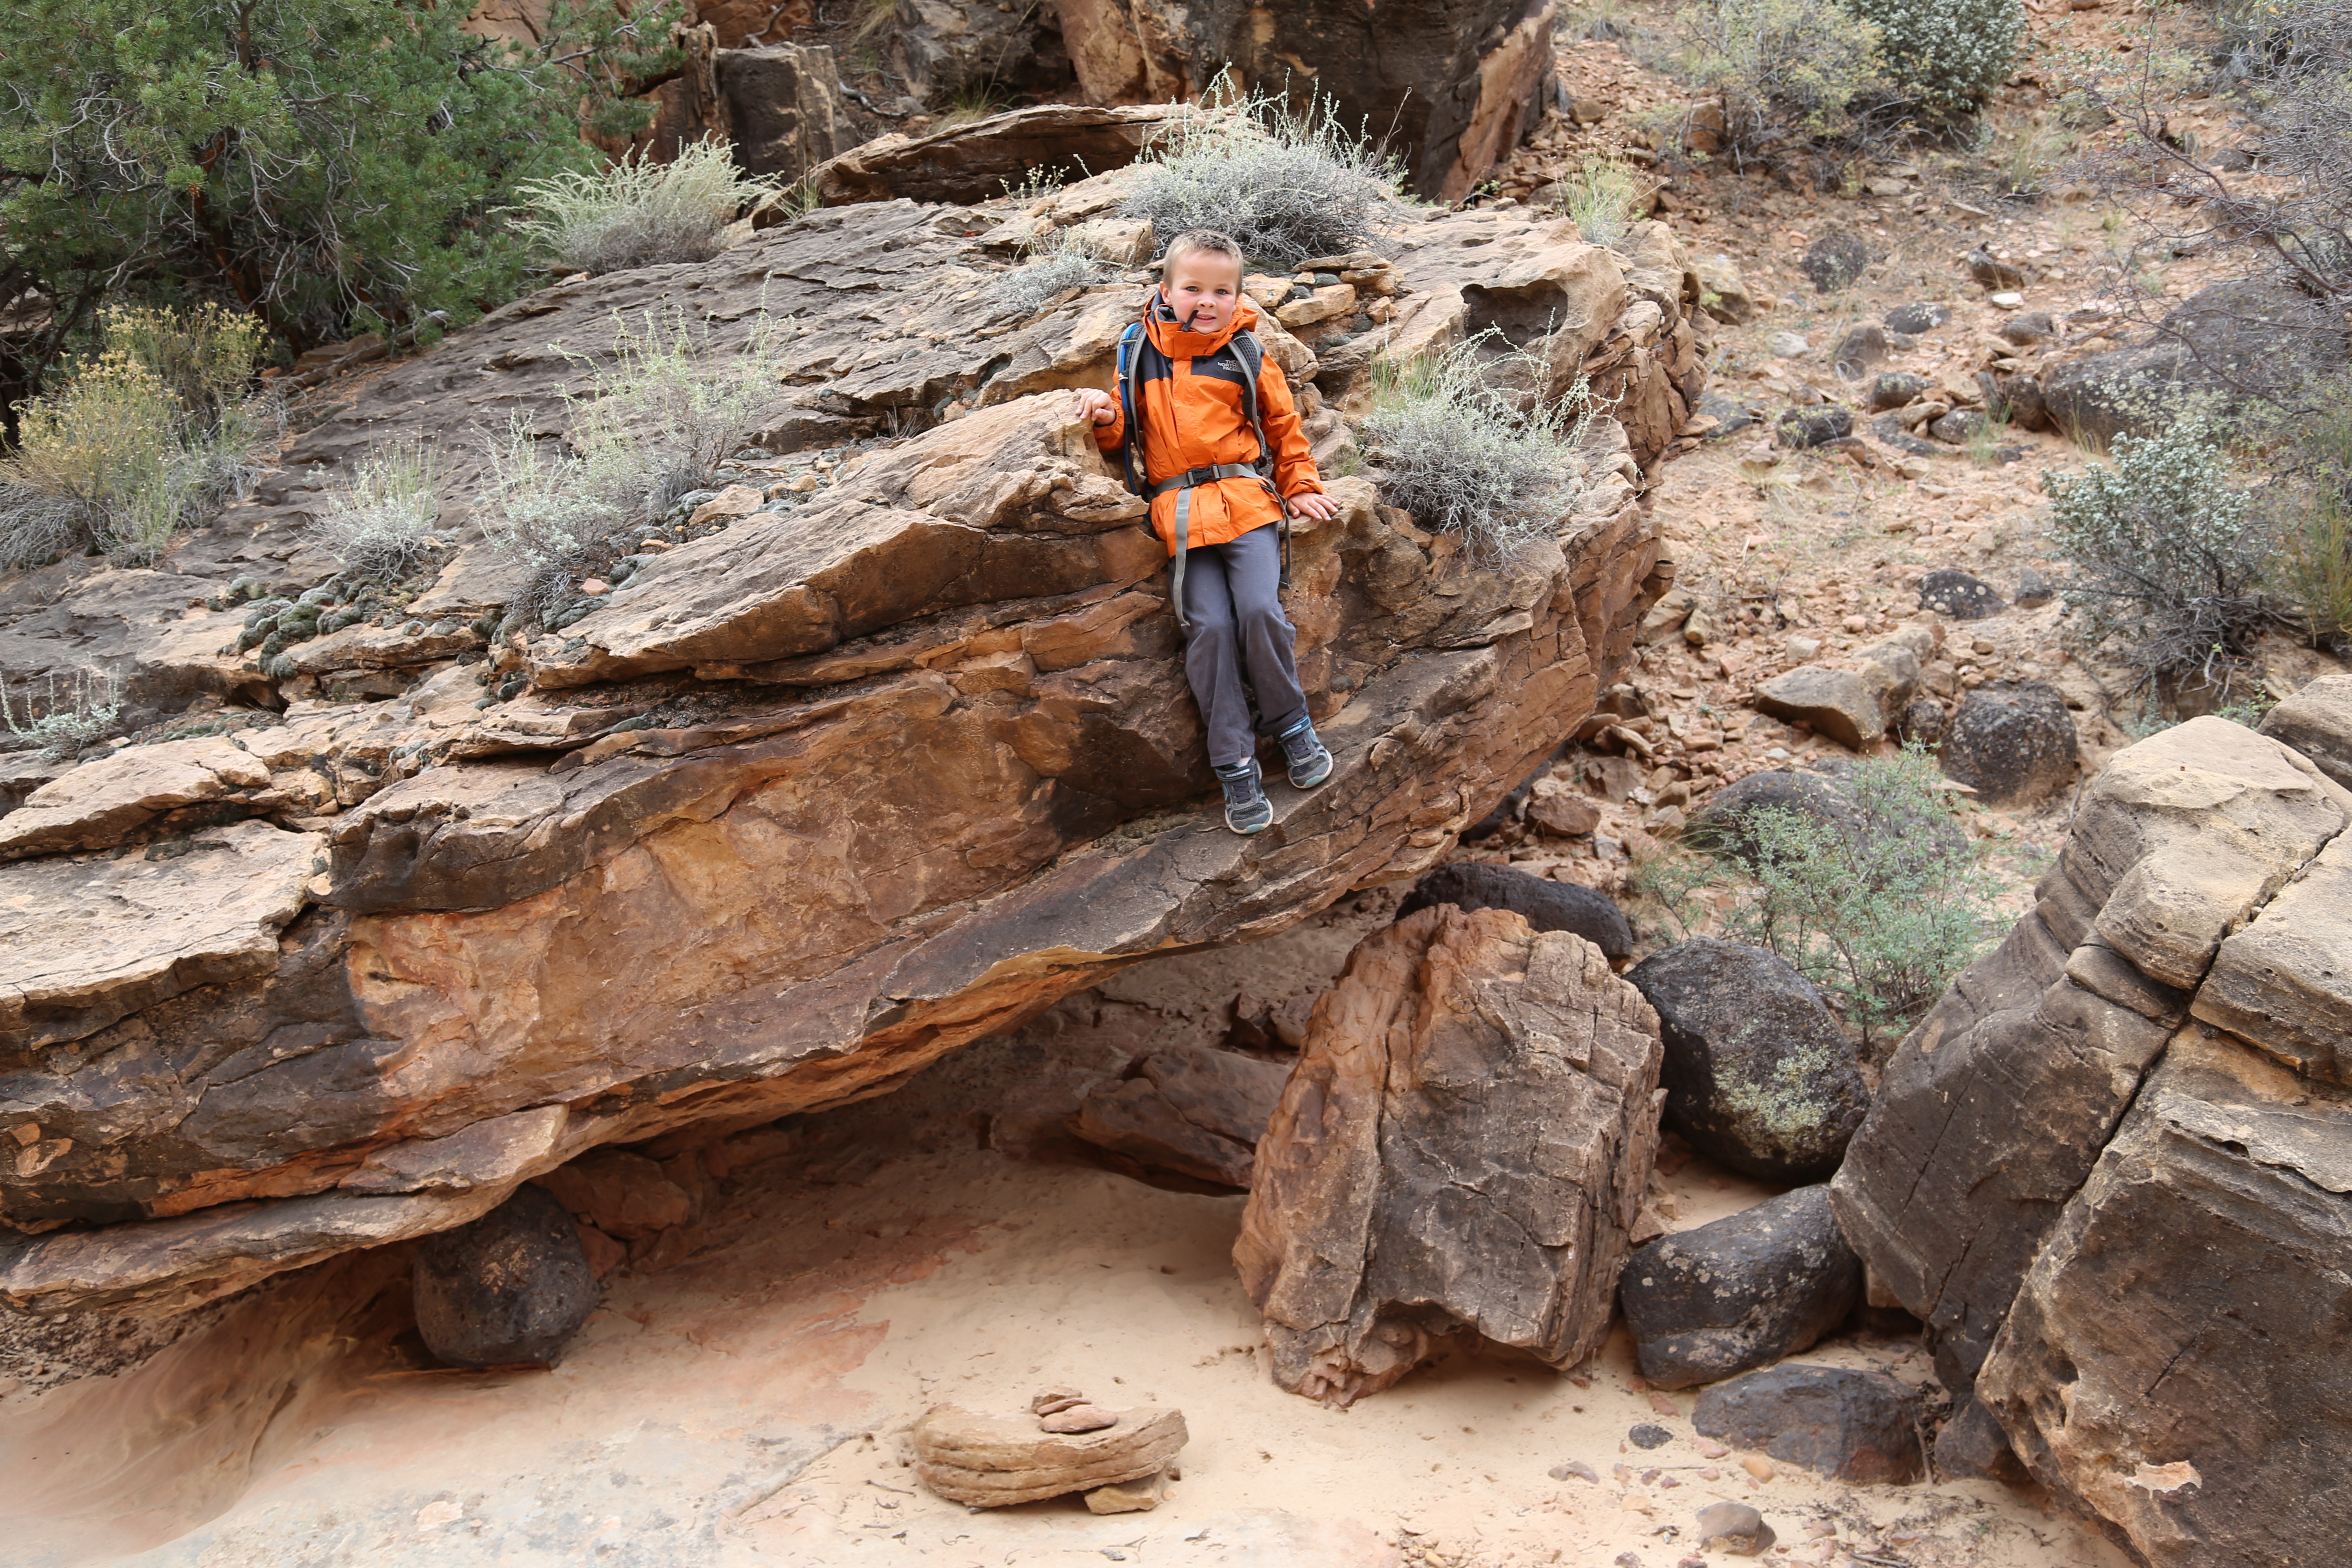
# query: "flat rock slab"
[[1858, 1427], [976, 161], [104, 802], [1463, 1145], [91, 941], [995, 1461]]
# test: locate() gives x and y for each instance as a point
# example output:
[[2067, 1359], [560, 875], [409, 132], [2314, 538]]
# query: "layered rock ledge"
[[799, 808], [2112, 1169]]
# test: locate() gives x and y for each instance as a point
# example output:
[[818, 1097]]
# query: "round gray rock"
[[2013, 742], [1723, 1298], [511, 1288], [1815, 426], [1547, 905], [1758, 1074]]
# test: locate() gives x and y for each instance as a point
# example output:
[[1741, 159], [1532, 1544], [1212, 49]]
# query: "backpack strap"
[[1252, 356], [1130, 447]]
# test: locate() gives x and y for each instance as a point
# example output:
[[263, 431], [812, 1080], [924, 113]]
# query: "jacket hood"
[[1170, 337]]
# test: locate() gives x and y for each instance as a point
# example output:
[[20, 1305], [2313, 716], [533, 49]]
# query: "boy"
[[1216, 495]]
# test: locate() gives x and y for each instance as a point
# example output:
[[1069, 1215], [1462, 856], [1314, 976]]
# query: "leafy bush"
[[654, 422], [1785, 69], [330, 165], [2170, 555], [1289, 184], [86, 713], [1948, 55], [377, 523], [639, 213], [1463, 451], [155, 433], [1880, 909]]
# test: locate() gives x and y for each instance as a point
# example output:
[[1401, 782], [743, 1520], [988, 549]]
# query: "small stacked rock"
[[1065, 1444]]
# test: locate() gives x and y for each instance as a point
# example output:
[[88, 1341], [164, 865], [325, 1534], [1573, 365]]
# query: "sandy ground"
[[751, 1404]]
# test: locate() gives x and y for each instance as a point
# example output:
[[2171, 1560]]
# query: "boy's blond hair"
[[1199, 242]]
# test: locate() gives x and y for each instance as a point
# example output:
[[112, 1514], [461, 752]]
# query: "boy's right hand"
[[1099, 406]]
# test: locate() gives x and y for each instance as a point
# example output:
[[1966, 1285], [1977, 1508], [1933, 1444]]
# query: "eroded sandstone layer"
[[800, 807], [2112, 1170]]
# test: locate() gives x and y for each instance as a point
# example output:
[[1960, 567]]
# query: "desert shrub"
[[1947, 55], [640, 213], [332, 165], [1880, 909], [1029, 287], [87, 712], [1786, 71], [2310, 452], [1289, 184], [660, 411], [156, 432], [1603, 199], [1463, 449], [377, 522], [2169, 555]]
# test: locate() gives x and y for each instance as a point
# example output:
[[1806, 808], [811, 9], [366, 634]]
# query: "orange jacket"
[[1189, 393]]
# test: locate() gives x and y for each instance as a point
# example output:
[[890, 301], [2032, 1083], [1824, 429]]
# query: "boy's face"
[[1204, 290]]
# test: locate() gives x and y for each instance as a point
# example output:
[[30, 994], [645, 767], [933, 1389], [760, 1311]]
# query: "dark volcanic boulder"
[[1894, 388], [1835, 261], [1959, 595], [1860, 1426], [1815, 426], [1917, 318], [513, 1287], [1708, 1303], [1722, 824], [1548, 905], [2221, 339], [1758, 1074], [1864, 346], [2012, 742]]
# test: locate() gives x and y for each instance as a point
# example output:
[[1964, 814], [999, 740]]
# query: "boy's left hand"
[[1315, 504]]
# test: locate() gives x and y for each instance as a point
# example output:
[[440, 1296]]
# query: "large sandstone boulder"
[[1456, 87], [1461, 1147], [2109, 1169], [785, 103], [797, 809]]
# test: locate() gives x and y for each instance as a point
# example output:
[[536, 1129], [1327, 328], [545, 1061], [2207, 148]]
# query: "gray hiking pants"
[[1231, 597]]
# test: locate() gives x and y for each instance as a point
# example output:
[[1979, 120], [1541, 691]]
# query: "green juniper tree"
[[328, 166]]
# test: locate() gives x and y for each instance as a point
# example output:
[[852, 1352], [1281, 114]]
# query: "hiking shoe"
[[1246, 808], [1310, 765]]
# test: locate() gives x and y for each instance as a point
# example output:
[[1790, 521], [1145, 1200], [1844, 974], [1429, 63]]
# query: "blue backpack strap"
[[1131, 441], [1252, 356]]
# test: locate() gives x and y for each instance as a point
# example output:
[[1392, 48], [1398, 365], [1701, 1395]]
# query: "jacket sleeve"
[[1294, 467]]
